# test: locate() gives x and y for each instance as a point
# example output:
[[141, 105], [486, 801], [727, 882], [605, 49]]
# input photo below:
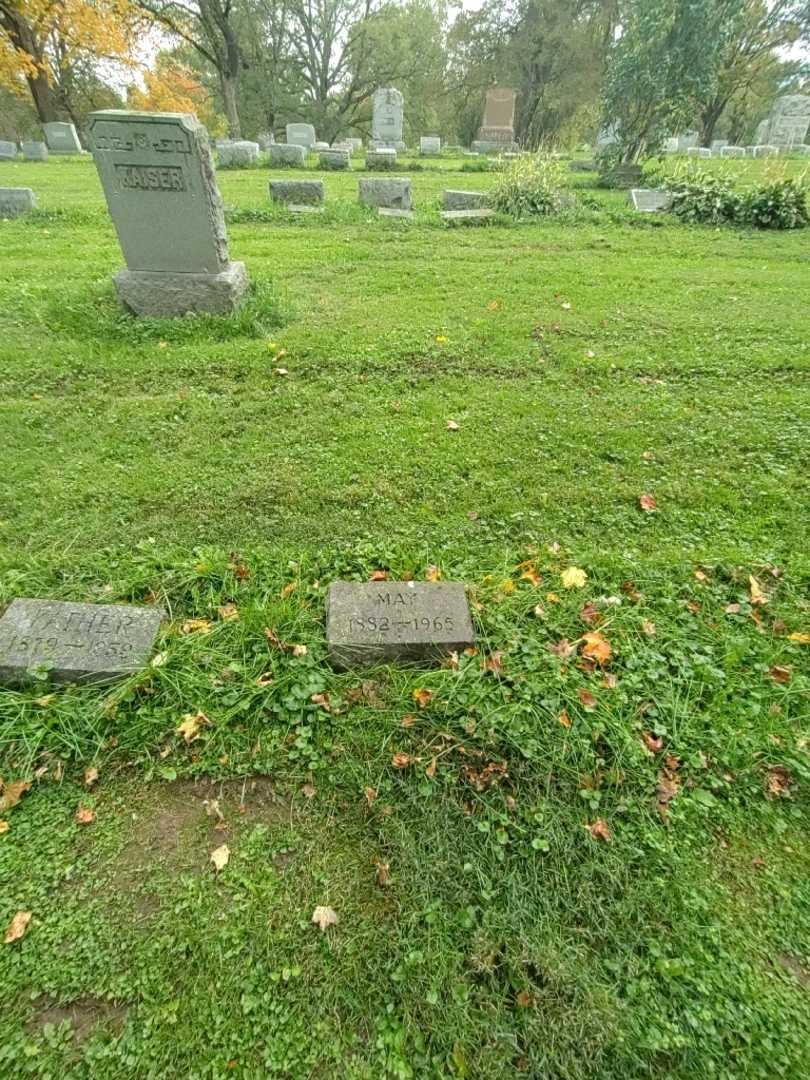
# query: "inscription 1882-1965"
[[74, 642], [408, 620]]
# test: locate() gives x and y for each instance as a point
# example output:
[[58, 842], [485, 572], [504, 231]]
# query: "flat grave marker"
[[385, 621], [474, 214], [75, 642], [649, 200]]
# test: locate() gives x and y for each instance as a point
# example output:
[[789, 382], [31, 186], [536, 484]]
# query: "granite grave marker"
[[35, 151], [8, 150], [649, 200], [301, 135], [288, 155], [62, 138], [391, 193], [297, 192], [386, 122], [15, 201]]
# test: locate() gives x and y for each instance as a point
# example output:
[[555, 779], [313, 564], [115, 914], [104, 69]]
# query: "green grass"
[[167, 460]]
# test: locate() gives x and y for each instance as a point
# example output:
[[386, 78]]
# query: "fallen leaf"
[[44, 702], [433, 573], [780, 674], [220, 857], [573, 578], [382, 873], [757, 595], [564, 718], [552, 598], [563, 649], [324, 917], [430, 771], [322, 700], [599, 830], [631, 592], [493, 663], [379, 575], [732, 609], [4, 827], [274, 639], [299, 650], [610, 681], [12, 793], [483, 779], [800, 639], [281, 371], [590, 614], [371, 795], [401, 760], [17, 926], [701, 575], [539, 611], [196, 626], [452, 426], [90, 776], [524, 1000], [654, 743], [648, 628], [778, 782], [587, 699], [265, 679], [647, 503], [596, 647], [289, 589], [668, 785], [422, 698], [228, 612], [408, 720], [308, 791], [493, 305], [190, 727], [84, 815]]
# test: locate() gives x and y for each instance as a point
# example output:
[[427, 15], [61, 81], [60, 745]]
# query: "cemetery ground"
[[581, 851]]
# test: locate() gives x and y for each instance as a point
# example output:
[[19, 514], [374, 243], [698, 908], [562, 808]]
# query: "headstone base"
[[166, 294], [459, 217]]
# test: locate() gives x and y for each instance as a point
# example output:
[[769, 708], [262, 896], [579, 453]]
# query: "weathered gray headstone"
[[35, 151], [62, 138], [265, 140], [75, 642], [430, 146], [334, 159], [320, 145], [764, 151], [463, 200], [688, 140], [788, 122], [718, 144], [698, 152], [238, 154], [158, 178], [386, 121], [582, 165], [382, 160], [15, 201], [297, 192], [392, 193], [398, 620], [497, 132], [356, 144], [288, 154], [732, 151], [469, 217], [649, 200], [301, 135], [8, 150]]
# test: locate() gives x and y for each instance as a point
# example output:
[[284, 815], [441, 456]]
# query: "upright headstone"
[[62, 138], [297, 192], [497, 132], [8, 150], [463, 200], [688, 140], [764, 151], [650, 200], [355, 143], [320, 145], [788, 122], [394, 194], [265, 140], [386, 120], [430, 146], [35, 151], [74, 642], [334, 159], [732, 151], [396, 621], [158, 178], [238, 154], [381, 160], [718, 144], [288, 155], [15, 201], [301, 135]]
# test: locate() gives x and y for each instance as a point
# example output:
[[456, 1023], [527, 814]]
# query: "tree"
[[210, 28], [172, 87], [43, 43]]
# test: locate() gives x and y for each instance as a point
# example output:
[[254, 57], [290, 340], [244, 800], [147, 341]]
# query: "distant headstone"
[[75, 642], [383, 160], [15, 201], [463, 200], [607, 136], [649, 200], [430, 146], [698, 152], [158, 178], [732, 151], [718, 144], [320, 145], [297, 192], [688, 140], [238, 154], [471, 217], [35, 151], [788, 122], [8, 150], [582, 165], [670, 146], [288, 155], [62, 138], [764, 151], [334, 159], [392, 193], [356, 144], [265, 140], [301, 135], [396, 621], [497, 131], [386, 120]]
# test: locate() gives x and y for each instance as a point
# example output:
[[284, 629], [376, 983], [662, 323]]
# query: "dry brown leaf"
[[12, 793], [648, 628], [631, 592], [654, 743], [433, 573], [587, 699], [289, 589], [778, 782], [401, 760], [524, 1000], [85, 815], [732, 609], [299, 650], [371, 795], [4, 827], [17, 926], [308, 791], [265, 679], [610, 681], [408, 720], [590, 614], [196, 626], [667, 788], [324, 917], [382, 873], [493, 663], [647, 503], [220, 857], [90, 775], [780, 674], [599, 830], [700, 575], [379, 575], [596, 647], [274, 639], [564, 718], [564, 649], [430, 771], [452, 425], [483, 779], [228, 612], [190, 727], [422, 698], [322, 700]]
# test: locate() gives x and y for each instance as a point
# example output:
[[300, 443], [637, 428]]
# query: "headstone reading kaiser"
[[301, 135], [8, 150], [74, 642], [62, 138], [158, 178], [386, 120], [497, 132], [396, 620], [788, 122], [15, 201]]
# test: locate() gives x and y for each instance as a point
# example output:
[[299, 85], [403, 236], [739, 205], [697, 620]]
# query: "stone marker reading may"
[[158, 178], [397, 620], [75, 642]]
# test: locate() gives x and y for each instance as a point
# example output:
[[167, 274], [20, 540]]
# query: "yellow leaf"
[[220, 857], [12, 793], [552, 598], [196, 626], [90, 776], [190, 728], [324, 917], [441, 339], [433, 573], [596, 647], [299, 650], [17, 926], [289, 588], [228, 612], [4, 827], [422, 698], [573, 578], [800, 639], [757, 595]]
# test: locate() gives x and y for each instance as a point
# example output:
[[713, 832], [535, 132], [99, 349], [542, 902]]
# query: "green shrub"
[[531, 186], [778, 204], [479, 164], [702, 197]]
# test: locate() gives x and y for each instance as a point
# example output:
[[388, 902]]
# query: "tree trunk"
[[229, 84], [23, 37], [709, 118]]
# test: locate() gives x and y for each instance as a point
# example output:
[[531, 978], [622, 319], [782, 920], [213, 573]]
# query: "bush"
[[530, 186], [702, 197], [779, 204], [480, 164]]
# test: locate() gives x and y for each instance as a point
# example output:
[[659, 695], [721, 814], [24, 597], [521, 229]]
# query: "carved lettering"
[[150, 177]]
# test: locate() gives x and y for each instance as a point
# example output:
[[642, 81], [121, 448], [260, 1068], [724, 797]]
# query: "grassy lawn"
[[578, 870]]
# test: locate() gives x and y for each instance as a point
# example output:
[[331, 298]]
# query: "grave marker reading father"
[[158, 179], [75, 642], [396, 620]]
